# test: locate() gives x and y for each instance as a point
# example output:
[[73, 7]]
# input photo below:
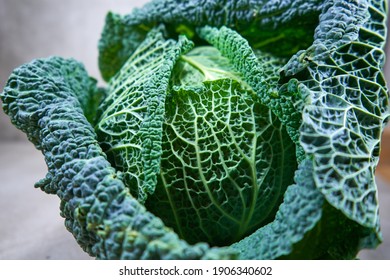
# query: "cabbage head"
[[226, 130]]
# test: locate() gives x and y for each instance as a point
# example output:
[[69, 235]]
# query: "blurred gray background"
[[31, 227]]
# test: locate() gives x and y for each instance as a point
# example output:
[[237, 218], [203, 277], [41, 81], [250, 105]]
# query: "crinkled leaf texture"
[[226, 163], [129, 127], [105, 219], [349, 106], [330, 98], [223, 160]]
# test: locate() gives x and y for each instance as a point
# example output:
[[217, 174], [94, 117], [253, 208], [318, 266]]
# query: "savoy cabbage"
[[227, 129]]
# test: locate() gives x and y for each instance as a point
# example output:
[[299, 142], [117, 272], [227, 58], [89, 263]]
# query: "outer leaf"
[[105, 219], [130, 125], [76, 79], [119, 41], [277, 19], [342, 127]]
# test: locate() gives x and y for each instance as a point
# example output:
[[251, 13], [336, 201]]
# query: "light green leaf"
[[261, 73], [226, 163]]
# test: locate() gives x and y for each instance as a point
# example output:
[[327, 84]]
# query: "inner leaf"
[[226, 159]]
